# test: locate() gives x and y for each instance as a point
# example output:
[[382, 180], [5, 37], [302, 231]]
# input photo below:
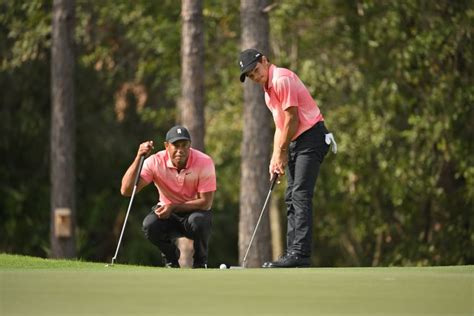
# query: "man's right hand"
[[278, 163], [145, 149], [128, 178]]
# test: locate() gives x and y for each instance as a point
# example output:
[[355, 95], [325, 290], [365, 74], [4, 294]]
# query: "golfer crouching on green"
[[186, 182]]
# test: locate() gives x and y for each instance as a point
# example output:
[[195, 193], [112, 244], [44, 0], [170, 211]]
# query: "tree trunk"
[[256, 143], [191, 104], [276, 227], [63, 206]]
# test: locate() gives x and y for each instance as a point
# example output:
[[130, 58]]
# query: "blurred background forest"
[[392, 78]]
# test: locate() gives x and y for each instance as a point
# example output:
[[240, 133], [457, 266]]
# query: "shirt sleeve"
[[286, 89], [207, 178], [147, 170]]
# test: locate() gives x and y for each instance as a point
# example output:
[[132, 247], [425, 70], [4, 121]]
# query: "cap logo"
[[241, 64], [179, 130]]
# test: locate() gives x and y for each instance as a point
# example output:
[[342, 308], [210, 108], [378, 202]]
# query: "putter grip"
[[140, 166], [274, 180]]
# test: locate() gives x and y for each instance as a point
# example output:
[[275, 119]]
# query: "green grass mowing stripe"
[[247, 292], [97, 290]]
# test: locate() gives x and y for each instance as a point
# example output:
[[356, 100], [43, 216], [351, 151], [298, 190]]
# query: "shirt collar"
[[269, 84]]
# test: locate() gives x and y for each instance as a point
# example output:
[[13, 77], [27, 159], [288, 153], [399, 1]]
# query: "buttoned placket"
[[180, 177]]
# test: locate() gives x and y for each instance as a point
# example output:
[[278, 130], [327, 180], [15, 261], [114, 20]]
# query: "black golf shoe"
[[172, 261], [289, 260], [174, 264], [267, 263]]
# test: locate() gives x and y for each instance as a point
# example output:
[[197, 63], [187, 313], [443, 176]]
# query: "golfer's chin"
[[180, 163]]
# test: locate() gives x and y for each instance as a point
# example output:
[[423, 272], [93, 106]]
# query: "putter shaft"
[[274, 179], [137, 177]]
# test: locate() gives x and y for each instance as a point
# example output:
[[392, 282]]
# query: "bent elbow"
[[208, 206]]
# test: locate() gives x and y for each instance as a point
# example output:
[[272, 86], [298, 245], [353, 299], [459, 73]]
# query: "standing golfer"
[[186, 182], [300, 144]]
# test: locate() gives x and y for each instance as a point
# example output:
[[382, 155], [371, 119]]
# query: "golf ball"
[[222, 266]]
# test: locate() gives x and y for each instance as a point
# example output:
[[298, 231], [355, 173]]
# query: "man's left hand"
[[164, 211]]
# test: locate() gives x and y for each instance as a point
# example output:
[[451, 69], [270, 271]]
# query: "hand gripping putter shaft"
[[274, 179], [137, 177]]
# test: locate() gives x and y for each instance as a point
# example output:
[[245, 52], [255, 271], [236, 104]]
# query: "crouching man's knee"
[[200, 223], [153, 227]]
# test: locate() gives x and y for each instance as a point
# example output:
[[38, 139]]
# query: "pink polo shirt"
[[284, 89], [198, 176]]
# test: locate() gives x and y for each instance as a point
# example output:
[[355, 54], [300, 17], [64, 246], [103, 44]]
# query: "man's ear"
[[265, 60], [166, 145]]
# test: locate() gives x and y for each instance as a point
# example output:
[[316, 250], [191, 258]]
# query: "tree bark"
[[276, 227], [191, 104], [256, 143], [63, 208]]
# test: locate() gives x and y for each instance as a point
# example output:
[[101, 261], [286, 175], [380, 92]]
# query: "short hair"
[[260, 59]]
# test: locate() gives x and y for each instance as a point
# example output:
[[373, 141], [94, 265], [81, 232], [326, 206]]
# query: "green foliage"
[[25, 32], [24, 128], [393, 80]]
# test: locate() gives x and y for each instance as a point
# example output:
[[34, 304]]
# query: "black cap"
[[176, 133], [247, 61]]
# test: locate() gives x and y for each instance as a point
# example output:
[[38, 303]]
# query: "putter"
[[274, 179], [137, 177]]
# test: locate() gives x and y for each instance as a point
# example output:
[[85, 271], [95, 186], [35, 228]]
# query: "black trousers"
[[164, 232], [305, 155]]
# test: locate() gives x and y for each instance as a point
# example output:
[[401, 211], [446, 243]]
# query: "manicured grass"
[[33, 286]]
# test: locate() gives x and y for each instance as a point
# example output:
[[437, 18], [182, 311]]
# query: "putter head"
[[238, 267], [111, 263]]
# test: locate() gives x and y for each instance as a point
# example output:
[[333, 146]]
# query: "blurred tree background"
[[393, 79]]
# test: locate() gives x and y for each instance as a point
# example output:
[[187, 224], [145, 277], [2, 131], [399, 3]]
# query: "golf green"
[[32, 286]]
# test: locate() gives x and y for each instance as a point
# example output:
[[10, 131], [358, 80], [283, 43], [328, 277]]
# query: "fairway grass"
[[34, 286]]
